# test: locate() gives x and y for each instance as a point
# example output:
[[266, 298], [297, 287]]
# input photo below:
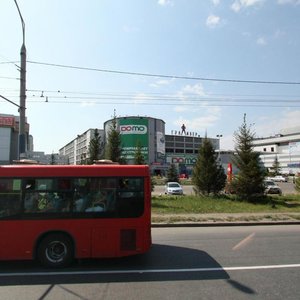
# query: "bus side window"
[[10, 197], [31, 202], [130, 200]]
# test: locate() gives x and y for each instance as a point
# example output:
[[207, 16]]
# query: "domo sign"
[[133, 129], [134, 132]]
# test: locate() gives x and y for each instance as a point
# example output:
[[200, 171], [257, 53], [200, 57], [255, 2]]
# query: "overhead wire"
[[153, 98], [164, 76]]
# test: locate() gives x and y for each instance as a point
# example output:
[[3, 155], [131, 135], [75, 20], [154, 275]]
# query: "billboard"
[[188, 160], [7, 121], [134, 132], [160, 139]]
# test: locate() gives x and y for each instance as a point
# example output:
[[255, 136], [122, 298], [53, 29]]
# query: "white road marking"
[[145, 271], [244, 241]]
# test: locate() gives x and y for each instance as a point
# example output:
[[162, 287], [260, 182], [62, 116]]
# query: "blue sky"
[[242, 40]]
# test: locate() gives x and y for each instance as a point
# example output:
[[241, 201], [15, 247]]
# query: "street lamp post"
[[219, 137], [22, 108]]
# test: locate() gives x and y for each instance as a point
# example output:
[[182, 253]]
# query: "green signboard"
[[134, 132]]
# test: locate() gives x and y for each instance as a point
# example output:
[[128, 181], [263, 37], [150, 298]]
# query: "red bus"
[[56, 213]]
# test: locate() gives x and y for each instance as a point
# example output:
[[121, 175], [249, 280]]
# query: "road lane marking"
[[145, 271], [244, 242]]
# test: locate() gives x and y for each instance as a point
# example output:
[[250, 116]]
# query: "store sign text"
[[184, 160], [133, 129]]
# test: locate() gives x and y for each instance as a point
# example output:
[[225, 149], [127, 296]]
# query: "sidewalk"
[[165, 220]]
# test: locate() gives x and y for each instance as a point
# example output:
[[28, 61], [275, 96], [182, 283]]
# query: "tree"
[[208, 175], [113, 147], [138, 155], [276, 166], [83, 160], [297, 183], [172, 174], [249, 183], [52, 159], [94, 150]]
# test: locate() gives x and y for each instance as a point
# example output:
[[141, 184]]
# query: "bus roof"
[[73, 170]]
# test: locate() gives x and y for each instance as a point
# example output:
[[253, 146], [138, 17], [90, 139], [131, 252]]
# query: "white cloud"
[[237, 5], [162, 82], [187, 93], [215, 2], [165, 2], [199, 118], [261, 41], [279, 34], [199, 124], [271, 125], [196, 89], [212, 21], [294, 2], [140, 98]]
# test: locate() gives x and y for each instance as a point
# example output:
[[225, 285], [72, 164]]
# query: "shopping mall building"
[[158, 148]]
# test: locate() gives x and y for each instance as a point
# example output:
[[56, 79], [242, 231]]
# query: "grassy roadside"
[[172, 209]]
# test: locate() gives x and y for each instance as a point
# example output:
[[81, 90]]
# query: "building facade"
[[144, 132], [9, 138], [182, 150], [47, 159], [158, 149], [285, 146], [77, 149]]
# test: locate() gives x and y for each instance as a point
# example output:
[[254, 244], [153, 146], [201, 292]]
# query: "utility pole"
[[22, 108], [219, 138]]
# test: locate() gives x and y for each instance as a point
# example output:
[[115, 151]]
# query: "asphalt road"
[[251, 262], [287, 188]]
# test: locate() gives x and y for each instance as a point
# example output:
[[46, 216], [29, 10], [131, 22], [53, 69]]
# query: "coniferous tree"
[[52, 159], [208, 175], [94, 150], [172, 174], [276, 166], [113, 147], [83, 160], [249, 183], [138, 155]]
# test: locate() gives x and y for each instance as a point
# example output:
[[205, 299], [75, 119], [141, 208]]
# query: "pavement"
[[221, 219]]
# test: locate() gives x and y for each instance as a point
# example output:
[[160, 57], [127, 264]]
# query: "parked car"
[[279, 178], [173, 188], [272, 188]]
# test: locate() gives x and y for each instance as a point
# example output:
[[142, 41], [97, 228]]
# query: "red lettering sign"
[[7, 121]]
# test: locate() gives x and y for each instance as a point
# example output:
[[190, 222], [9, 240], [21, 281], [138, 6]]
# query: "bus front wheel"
[[56, 250]]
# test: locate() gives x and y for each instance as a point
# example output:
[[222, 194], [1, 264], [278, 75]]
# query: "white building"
[[285, 146], [77, 149]]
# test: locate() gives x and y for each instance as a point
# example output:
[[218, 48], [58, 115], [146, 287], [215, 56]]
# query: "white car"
[[279, 178], [272, 188], [173, 188]]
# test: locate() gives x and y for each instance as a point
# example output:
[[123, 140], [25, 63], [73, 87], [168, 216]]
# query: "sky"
[[200, 63]]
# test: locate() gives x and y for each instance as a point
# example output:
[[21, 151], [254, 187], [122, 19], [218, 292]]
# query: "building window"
[[272, 149], [179, 151], [169, 150], [265, 149]]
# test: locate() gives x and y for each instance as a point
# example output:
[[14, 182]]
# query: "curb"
[[222, 224]]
